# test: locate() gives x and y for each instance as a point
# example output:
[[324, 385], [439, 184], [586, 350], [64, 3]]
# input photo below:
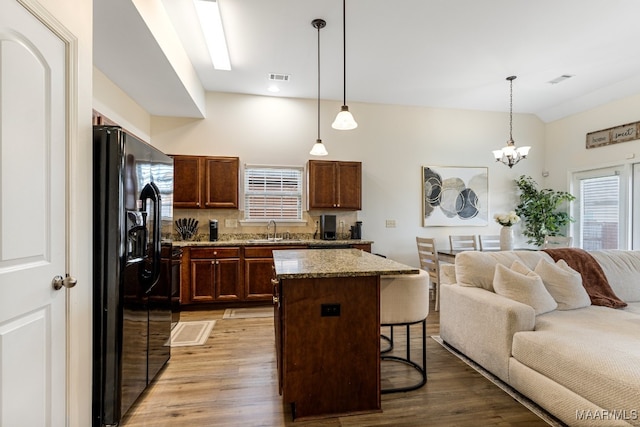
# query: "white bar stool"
[[404, 301]]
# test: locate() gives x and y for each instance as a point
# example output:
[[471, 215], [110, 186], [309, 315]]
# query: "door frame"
[[73, 175]]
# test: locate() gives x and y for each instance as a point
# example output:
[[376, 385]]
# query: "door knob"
[[60, 282]]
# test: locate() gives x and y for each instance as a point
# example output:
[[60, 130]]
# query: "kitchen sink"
[[273, 240]]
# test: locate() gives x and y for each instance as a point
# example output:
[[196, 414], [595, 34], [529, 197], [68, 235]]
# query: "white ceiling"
[[436, 53]]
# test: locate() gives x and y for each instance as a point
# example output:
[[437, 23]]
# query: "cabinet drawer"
[[266, 251], [208, 253]]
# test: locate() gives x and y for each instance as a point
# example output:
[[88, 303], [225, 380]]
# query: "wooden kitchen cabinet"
[[216, 275], [187, 182], [205, 182], [334, 185], [258, 271]]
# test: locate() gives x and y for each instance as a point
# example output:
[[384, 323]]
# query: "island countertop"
[[322, 263]]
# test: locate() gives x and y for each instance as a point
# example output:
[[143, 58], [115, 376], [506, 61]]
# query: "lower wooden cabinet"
[[231, 274], [215, 275], [258, 271]]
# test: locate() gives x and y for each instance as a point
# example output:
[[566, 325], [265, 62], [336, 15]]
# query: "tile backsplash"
[[231, 225]]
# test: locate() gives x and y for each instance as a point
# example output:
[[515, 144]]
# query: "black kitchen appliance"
[[133, 193], [328, 228], [213, 230], [356, 230]]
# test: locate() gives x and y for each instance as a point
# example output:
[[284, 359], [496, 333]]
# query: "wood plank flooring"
[[232, 381]]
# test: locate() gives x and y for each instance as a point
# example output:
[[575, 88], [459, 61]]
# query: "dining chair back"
[[489, 242], [428, 256], [463, 242]]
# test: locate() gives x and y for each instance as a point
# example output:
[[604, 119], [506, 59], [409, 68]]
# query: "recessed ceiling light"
[[560, 79]]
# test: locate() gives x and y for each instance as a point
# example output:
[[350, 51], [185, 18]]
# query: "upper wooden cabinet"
[[334, 185], [205, 182]]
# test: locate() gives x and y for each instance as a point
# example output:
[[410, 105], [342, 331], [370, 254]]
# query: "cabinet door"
[[221, 182], [349, 193], [228, 280], [322, 184], [187, 179], [202, 278], [257, 279]]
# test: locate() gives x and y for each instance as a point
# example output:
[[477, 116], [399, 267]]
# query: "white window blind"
[[272, 193], [600, 212]]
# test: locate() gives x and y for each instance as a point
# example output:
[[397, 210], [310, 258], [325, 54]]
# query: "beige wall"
[[565, 141], [110, 101], [393, 142]]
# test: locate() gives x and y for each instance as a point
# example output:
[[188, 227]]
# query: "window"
[[601, 220], [272, 193]]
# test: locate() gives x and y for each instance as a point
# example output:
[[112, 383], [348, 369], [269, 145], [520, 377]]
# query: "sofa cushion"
[[521, 284], [476, 268], [622, 269], [593, 352], [564, 284]]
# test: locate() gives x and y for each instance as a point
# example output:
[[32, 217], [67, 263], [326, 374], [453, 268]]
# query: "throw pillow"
[[564, 284], [525, 288]]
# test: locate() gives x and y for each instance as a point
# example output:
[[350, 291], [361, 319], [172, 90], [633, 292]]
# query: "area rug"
[[524, 401], [186, 334], [248, 313]]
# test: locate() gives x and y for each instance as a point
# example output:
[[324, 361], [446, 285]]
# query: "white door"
[[32, 220]]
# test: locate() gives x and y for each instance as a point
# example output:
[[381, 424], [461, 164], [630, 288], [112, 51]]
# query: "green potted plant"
[[539, 210]]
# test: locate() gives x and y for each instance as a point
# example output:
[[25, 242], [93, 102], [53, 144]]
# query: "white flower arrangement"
[[507, 219]]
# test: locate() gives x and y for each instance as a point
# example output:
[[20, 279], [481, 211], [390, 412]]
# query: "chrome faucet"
[[269, 228]]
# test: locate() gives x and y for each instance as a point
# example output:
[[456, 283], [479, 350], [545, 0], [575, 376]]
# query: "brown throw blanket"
[[593, 278]]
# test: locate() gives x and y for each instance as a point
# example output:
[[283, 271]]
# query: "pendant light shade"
[[344, 120], [509, 154], [318, 148]]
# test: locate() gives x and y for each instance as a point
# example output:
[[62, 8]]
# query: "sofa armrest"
[[481, 325]]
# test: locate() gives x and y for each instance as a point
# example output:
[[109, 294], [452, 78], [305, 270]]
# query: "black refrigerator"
[[132, 200]]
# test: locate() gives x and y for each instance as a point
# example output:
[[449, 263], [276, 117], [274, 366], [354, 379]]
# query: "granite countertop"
[[263, 242], [321, 263]]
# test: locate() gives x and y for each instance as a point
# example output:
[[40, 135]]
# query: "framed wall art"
[[455, 196]]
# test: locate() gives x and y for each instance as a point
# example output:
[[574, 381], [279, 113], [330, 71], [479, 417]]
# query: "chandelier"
[[509, 154]]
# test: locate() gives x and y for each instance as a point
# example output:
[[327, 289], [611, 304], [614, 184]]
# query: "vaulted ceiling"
[[435, 53]]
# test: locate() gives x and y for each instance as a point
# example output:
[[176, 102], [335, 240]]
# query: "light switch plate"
[[390, 223], [231, 223]]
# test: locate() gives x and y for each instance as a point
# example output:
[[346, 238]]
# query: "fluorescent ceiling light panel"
[[211, 24]]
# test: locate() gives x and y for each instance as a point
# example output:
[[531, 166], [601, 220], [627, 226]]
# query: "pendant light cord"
[[319, 81], [344, 52]]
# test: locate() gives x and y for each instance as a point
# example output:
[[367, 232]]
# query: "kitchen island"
[[327, 324]]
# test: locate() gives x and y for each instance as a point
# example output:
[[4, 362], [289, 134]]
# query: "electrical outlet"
[[390, 223], [231, 223], [330, 310]]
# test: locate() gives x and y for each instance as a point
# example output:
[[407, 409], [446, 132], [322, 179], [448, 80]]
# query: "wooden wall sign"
[[622, 133]]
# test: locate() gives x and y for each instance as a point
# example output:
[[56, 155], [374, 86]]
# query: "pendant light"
[[510, 155], [344, 120], [318, 148]]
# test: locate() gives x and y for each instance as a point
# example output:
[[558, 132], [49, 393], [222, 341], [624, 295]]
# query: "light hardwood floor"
[[232, 381]]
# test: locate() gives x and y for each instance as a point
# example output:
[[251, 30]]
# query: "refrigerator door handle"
[[151, 192]]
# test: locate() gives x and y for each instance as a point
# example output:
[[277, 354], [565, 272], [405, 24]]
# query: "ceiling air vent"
[[560, 79], [279, 77]]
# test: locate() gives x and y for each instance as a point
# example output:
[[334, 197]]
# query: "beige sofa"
[[580, 362]]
